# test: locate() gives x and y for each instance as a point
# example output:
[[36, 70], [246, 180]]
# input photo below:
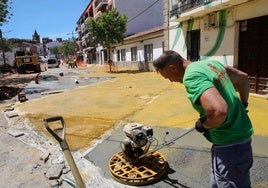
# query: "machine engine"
[[138, 141]]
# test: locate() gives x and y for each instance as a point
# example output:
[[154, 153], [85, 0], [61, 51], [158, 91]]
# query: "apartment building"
[[233, 32], [142, 16]]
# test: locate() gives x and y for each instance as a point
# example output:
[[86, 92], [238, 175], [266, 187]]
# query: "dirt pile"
[[8, 92], [10, 84]]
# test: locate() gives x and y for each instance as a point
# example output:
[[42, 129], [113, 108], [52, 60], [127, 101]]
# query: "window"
[[212, 20], [148, 52], [118, 55], [134, 56], [123, 54]]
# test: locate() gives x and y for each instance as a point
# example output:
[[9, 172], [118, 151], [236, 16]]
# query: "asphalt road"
[[57, 80]]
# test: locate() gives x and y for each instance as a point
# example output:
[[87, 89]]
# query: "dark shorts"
[[231, 165]]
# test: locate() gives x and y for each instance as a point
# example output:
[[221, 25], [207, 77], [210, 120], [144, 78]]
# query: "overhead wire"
[[143, 11]]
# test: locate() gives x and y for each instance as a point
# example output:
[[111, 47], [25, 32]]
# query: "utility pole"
[[2, 46]]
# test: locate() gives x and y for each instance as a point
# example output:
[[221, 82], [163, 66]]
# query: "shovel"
[[59, 135]]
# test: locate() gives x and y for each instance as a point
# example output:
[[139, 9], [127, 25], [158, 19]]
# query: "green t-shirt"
[[202, 75]]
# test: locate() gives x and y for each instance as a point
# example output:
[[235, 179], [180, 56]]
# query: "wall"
[[217, 43], [152, 17], [157, 51], [177, 38], [9, 56]]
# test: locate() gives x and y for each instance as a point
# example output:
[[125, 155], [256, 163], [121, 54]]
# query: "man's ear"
[[172, 67]]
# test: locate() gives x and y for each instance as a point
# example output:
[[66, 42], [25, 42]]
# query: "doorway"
[[253, 52], [193, 45]]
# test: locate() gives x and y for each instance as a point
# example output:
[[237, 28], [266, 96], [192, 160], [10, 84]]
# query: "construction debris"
[[56, 183], [8, 109], [15, 132], [55, 171], [66, 170], [12, 115], [52, 92], [45, 156]]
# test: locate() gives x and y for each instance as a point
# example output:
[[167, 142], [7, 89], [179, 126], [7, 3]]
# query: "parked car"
[[43, 58], [53, 62]]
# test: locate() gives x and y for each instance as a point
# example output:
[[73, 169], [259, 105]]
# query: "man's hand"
[[199, 125]]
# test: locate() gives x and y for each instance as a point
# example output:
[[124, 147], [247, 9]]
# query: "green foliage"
[[109, 29], [5, 45], [68, 48], [5, 15], [55, 50]]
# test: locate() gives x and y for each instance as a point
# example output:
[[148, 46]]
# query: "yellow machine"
[[27, 62], [135, 164]]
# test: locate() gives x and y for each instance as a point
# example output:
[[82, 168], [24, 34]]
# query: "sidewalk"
[[20, 164], [131, 96]]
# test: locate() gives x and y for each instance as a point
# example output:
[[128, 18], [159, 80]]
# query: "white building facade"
[[233, 32], [139, 50]]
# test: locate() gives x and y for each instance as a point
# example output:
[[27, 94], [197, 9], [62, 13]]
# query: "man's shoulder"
[[203, 64], [202, 68], [207, 62]]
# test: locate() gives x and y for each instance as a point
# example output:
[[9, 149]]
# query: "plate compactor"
[[136, 164]]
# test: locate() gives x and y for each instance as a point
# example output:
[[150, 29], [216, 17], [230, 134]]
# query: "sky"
[[50, 18]]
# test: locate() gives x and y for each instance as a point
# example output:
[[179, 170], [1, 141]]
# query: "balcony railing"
[[99, 3], [185, 5], [78, 29], [97, 15]]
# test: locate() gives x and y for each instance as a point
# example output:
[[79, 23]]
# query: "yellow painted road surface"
[[143, 97]]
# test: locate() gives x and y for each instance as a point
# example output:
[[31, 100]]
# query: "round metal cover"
[[146, 170]]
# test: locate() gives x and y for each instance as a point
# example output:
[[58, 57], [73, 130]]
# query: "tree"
[[5, 15], [108, 30], [68, 48], [5, 46], [55, 50]]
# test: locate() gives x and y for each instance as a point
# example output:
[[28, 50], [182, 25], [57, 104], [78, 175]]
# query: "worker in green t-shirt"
[[211, 88]]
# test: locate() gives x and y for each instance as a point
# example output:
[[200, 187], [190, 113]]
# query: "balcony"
[[87, 46], [110, 2], [97, 15], [89, 16], [84, 37], [85, 16], [186, 9], [78, 29], [183, 6], [100, 3]]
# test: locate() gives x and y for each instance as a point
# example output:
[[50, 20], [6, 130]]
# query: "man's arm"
[[215, 108], [240, 81]]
